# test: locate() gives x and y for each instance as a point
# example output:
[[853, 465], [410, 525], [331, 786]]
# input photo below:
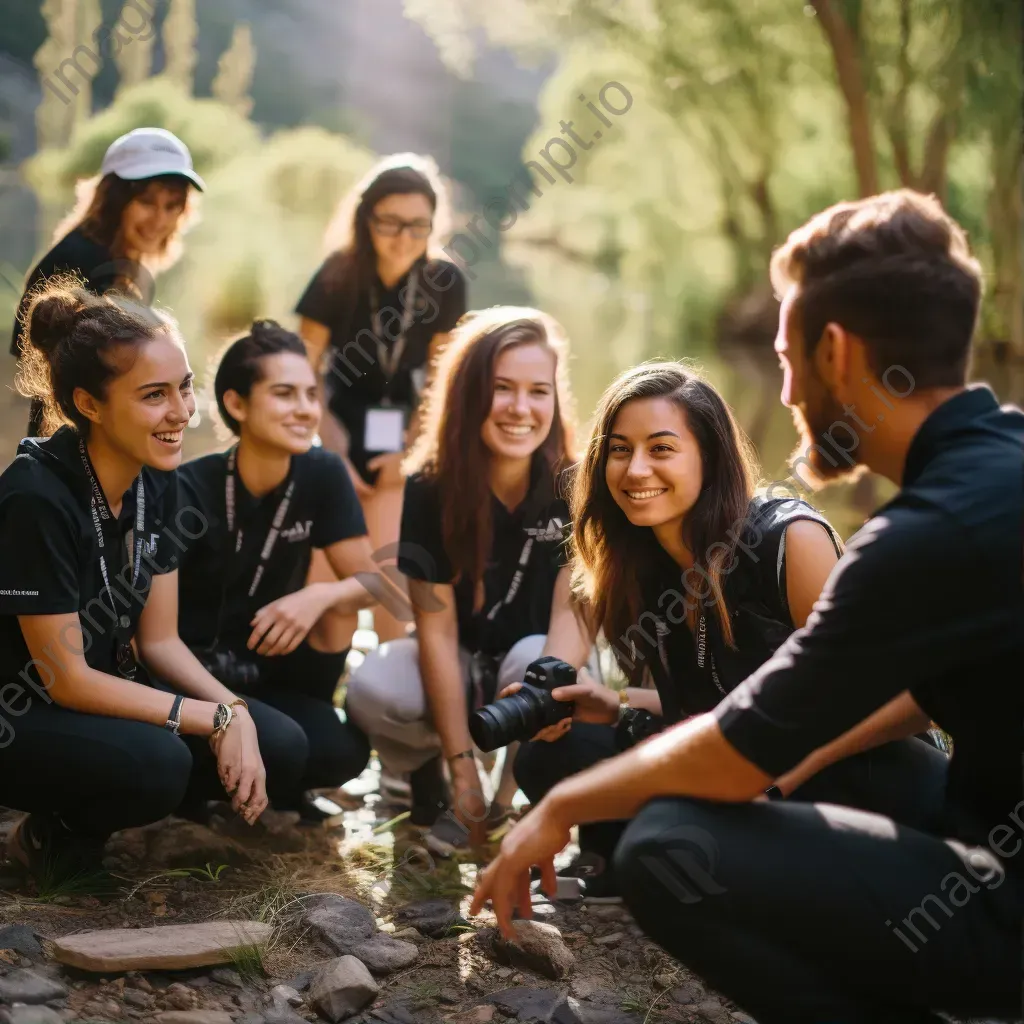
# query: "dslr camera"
[[532, 708], [234, 673]]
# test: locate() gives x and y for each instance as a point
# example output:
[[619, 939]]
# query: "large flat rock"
[[167, 947]]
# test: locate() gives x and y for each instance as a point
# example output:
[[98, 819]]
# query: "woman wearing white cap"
[[126, 225]]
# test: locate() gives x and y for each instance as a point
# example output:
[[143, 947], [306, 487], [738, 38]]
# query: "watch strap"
[[173, 722]]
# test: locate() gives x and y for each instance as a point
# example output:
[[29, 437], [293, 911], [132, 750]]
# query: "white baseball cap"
[[147, 153]]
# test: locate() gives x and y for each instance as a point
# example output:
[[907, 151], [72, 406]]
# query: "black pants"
[[104, 774], [905, 780], [301, 685]]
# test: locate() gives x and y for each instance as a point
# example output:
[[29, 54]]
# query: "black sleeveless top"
[[693, 671]]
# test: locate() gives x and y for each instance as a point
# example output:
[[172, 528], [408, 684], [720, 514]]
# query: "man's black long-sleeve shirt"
[[928, 597]]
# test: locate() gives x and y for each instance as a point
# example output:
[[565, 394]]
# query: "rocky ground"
[[351, 939]]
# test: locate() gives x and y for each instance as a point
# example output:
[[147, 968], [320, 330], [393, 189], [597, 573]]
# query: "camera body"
[[230, 670], [532, 708]]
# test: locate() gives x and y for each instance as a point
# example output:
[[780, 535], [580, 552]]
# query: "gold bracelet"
[[238, 703]]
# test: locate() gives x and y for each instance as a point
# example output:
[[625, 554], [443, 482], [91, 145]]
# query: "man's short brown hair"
[[895, 270]]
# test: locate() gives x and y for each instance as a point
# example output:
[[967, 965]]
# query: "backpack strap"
[[772, 517]]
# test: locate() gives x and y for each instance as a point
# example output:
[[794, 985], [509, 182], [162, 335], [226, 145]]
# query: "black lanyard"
[[101, 513], [517, 579], [389, 360], [275, 527]]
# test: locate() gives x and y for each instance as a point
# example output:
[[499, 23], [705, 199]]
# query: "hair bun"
[[52, 317]]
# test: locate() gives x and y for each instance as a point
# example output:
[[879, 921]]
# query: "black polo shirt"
[[50, 554], [544, 520], [693, 672], [355, 378], [77, 253], [928, 597], [323, 510]]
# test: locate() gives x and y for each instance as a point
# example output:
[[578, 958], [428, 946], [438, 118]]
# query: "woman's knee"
[[387, 684], [284, 747], [520, 655], [337, 755], [539, 766], [159, 775]]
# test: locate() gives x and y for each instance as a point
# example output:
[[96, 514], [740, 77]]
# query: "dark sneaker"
[[53, 853], [448, 836]]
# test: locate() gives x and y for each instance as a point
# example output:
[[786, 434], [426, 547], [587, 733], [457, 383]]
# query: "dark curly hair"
[[70, 337]]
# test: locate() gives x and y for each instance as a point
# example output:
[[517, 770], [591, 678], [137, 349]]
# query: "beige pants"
[[386, 699]]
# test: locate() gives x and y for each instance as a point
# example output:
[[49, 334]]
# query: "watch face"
[[219, 716]]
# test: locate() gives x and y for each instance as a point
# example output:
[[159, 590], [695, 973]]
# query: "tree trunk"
[[847, 58]]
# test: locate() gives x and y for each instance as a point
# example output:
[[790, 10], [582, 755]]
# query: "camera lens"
[[516, 718]]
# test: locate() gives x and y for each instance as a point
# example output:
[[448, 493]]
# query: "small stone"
[[135, 980], [280, 1014], [608, 912], [180, 997], [141, 1000], [475, 985], [226, 976], [435, 918], [301, 981], [478, 1015], [587, 929], [409, 935], [22, 1014], [385, 955], [342, 923], [742, 1018], [164, 947], [396, 1013], [193, 1017], [713, 1011], [609, 940], [663, 981], [285, 994], [531, 1003], [21, 939], [200, 982], [684, 995], [538, 947], [26, 986], [341, 988], [449, 996], [101, 1009], [503, 972]]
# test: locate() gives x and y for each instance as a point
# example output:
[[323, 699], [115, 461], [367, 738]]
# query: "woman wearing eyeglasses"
[[373, 318]]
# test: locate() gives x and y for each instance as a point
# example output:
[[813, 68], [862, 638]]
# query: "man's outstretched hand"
[[535, 839]]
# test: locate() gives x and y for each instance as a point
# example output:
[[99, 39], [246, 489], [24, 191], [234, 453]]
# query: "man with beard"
[[804, 912]]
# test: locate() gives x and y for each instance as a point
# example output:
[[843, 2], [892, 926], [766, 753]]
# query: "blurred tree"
[[179, 37], [55, 113], [134, 59], [88, 22], [235, 71]]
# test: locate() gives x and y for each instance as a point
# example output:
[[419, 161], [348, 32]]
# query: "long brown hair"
[[610, 553], [458, 401], [100, 204], [351, 265]]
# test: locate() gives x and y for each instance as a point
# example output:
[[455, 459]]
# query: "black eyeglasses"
[[391, 227]]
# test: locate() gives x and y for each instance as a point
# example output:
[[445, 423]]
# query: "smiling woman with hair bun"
[[116, 722]]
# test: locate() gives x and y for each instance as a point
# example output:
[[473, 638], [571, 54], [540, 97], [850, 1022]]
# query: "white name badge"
[[384, 430]]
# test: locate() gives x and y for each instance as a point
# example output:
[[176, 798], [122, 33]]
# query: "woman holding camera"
[[695, 580], [482, 544], [125, 228], [374, 318], [268, 593], [113, 720]]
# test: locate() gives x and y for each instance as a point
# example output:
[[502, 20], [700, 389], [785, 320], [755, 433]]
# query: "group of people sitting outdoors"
[[765, 794]]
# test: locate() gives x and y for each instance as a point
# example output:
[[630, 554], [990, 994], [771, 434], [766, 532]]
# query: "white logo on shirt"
[[555, 530], [300, 531]]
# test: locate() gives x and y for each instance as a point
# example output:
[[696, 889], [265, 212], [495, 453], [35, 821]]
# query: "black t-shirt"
[[78, 253], [541, 518], [693, 671], [50, 553], [928, 597], [356, 380], [322, 511]]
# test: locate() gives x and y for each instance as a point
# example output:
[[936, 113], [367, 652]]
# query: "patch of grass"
[[208, 873], [248, 961], [54, 884]]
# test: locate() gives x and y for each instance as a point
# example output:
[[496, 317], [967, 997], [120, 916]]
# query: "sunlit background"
[[736, 121]]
